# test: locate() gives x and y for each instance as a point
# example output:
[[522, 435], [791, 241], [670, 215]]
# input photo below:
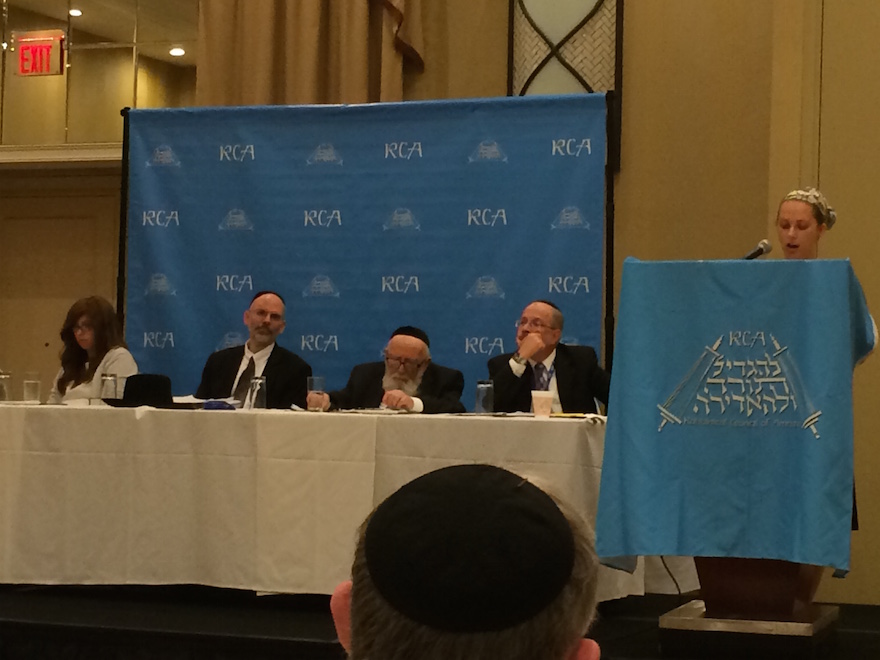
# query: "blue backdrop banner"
[[448, 215], [730, 420]]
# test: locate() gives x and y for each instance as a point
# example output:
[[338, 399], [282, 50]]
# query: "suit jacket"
[[285, 374], [579, 379], [440, 389]]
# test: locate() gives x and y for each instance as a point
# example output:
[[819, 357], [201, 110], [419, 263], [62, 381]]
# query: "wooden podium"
[[757, 589]]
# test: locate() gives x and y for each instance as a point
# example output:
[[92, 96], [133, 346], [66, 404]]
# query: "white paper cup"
[[542, 403]]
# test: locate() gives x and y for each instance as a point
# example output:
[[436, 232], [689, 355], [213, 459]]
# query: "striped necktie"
[[542, 377]]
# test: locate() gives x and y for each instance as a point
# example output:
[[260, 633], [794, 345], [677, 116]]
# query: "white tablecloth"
[[266, 501]]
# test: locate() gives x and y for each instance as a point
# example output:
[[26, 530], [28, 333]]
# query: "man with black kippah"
[[541, 362], [228, 372], [406, 380], [469, 562]]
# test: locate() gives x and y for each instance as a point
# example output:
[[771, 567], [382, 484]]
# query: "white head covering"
[[817, 200]]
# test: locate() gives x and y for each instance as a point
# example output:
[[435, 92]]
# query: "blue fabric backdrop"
[[730, 417], [449, 215]]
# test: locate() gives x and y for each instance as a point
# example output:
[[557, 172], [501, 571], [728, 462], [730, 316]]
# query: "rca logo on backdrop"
[[160, 285], [160, 340], [400, 284], [235, 283], [236, 220], [402, 218], [483, 345], [231, 339], [488, 151], [163, 156], [320, 286], [570, 218], [486, 286], [319, 343], [486, 217], [237, 152], [570, 147], [322, 218], [156, 218], [324, 154], [403, 150], [570, 284]]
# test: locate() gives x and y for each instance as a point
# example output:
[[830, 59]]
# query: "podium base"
[[687, 632]]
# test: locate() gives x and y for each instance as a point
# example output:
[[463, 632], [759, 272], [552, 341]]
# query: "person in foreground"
[[406, 380], [469, 562], [228, 372], [572, 373], [93, 347]]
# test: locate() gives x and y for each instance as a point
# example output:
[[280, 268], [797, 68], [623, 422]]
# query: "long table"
[[267, 501]]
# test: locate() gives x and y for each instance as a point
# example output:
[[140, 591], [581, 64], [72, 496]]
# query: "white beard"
[[391, 381]]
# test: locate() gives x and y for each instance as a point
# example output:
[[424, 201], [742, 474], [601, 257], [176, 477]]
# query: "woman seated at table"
[[93, 347]]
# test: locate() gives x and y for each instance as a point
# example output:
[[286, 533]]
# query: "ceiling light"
[[177, 52], [75, 12]]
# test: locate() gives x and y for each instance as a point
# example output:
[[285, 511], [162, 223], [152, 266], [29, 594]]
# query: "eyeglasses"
[[532, 324], [81, 327], [395, 362]]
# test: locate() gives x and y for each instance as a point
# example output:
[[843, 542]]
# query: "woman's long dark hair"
[[75, 363]]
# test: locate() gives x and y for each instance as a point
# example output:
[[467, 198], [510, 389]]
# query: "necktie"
[[542, 377], [244, 383]]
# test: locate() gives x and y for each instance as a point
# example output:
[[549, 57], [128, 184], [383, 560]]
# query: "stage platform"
[[201, 623]]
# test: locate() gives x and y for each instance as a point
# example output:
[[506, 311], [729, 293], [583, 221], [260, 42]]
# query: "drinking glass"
[[31, 387], [315, 384], [258, 392], [485, 397], [108, 386], [5, 384]]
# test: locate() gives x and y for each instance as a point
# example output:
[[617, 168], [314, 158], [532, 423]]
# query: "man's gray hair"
[[379, 631]]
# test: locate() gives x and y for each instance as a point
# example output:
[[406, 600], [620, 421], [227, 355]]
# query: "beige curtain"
[[264, 52], [464, 50]]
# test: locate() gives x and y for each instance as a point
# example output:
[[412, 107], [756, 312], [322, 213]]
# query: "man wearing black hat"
[[406, 380], [469, 561]]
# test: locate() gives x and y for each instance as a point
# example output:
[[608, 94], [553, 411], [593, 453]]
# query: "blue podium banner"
[[730, 428], [448, 215]]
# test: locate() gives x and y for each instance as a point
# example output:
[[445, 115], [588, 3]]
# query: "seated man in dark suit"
[[572, 373], [406, 380], [228, 373]]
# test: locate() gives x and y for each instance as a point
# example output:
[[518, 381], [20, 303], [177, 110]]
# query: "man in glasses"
[[405, 380], [572, 373], [228, 372]]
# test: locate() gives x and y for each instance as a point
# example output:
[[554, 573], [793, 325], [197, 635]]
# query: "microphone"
[[761, 248]]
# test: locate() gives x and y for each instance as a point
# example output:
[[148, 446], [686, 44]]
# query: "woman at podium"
[[803, 216]]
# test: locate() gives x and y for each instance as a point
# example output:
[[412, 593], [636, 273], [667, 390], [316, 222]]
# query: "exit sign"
[[40, 53]]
